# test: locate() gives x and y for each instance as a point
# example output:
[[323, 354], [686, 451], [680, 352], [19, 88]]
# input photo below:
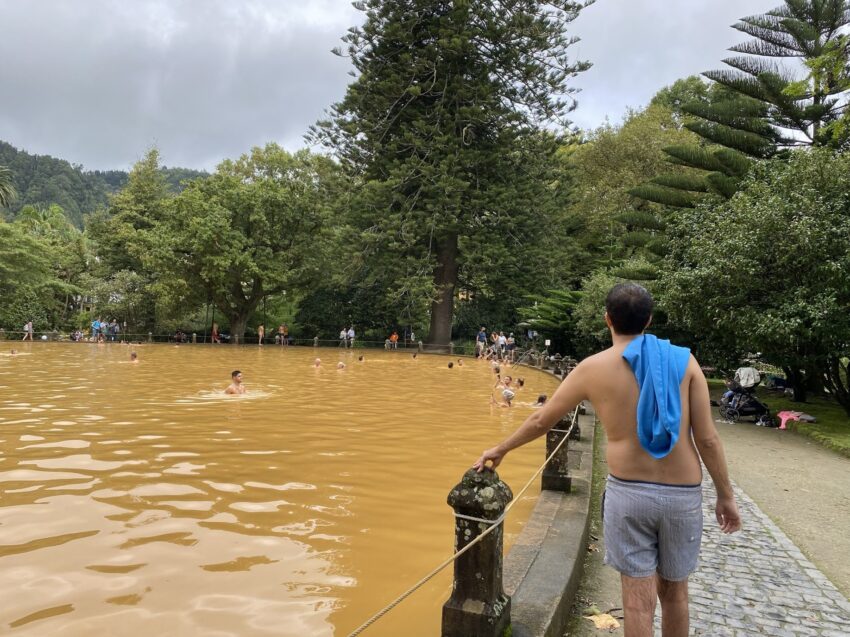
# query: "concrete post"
[[556, 474], [478, 606], [452, 349], [150, 337], [194, 337]]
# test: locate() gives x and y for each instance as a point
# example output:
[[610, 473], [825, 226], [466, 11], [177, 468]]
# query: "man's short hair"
[[235, 373], [629, 307]]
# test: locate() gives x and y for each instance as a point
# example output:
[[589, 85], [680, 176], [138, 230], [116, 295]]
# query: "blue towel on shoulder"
[[659, 368]]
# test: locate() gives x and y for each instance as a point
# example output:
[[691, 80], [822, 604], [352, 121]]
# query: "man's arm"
[[710, 449], [569, 394]]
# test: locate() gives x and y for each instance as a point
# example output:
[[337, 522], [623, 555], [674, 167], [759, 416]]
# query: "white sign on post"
[[547, 342]]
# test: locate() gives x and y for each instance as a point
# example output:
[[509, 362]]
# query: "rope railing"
[[493, 525]]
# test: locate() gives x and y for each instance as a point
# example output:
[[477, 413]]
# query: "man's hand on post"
[[493, 456], [727, 515]]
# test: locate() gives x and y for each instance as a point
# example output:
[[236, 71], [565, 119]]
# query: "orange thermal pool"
[[138, 499]]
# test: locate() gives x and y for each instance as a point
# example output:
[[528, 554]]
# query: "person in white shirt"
[[351, 336]]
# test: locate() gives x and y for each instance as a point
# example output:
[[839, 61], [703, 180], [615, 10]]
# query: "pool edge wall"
[[543, 569]]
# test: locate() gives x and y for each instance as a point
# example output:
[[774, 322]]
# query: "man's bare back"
[[610, 385]]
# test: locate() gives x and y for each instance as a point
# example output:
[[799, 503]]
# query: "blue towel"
[[659, 368]]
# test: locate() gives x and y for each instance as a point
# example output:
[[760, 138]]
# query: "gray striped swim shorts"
[[652, 528]]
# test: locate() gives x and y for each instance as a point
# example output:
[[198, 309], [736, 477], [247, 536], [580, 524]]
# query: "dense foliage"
[[42, 181]]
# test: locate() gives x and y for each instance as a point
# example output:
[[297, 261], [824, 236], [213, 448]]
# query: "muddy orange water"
[[138, 499]]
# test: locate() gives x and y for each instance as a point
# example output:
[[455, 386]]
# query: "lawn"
[[832, 429]]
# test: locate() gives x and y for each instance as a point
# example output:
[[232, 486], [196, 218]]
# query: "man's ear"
[[608, 320], [648, 323]]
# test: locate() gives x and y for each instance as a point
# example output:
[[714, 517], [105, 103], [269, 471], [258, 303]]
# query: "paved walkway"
[[757, 582]]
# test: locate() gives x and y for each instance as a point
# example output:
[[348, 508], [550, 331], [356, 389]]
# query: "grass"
[[832, 429]]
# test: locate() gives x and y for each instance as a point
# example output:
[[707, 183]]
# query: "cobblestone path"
[[757, 582]]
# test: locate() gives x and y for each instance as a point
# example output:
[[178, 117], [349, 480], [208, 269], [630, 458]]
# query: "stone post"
[[478, 605], [452, 349], [150, 337], [556, 474], [194, 337]]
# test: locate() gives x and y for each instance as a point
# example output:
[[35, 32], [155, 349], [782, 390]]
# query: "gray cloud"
[[99, 81]]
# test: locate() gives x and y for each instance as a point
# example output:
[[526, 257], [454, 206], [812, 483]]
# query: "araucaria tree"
[[441, 132], [759, 106]]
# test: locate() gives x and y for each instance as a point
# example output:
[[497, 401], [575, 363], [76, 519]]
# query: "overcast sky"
[[98, 82]]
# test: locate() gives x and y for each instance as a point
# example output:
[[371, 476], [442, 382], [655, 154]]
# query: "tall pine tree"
[[762, 106], [440, 131]]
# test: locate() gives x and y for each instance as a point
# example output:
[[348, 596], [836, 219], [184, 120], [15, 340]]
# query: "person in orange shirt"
[[394, 340]]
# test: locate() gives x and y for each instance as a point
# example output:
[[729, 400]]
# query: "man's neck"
[[622, 340]]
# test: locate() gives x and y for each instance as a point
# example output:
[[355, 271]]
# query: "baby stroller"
[[740, 400]]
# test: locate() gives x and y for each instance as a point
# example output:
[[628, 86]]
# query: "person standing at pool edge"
[[236, 386], [658, 429]]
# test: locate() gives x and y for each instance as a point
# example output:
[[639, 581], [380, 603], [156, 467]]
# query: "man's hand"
[[493, 456], [727, 515]]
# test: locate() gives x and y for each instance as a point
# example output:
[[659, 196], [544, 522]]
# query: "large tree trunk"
[[797, 380], [445, 280], [237, 329]]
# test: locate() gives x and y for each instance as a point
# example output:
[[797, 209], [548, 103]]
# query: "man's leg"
[[674, 607], [639, 595]]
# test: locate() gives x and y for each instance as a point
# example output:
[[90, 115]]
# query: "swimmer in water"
[[340, 365], [317, 363], [414, 356], [541, 400], [236, 386], [451, 365], [459, 363], [14, 352], [134, 358], [360, 358]]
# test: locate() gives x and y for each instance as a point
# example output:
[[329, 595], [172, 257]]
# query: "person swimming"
[[317, 363], [340, 365], [236, 386], [134, 358], [541, 400], [459, 362], [360, 358], [451, 365]]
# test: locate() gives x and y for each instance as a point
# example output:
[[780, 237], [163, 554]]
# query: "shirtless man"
[[652, 509], [236, 386]]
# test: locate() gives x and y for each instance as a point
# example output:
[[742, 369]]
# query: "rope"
[[494, 523]]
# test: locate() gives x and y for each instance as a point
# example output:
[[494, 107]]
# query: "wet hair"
[[235, 373], [414, 356], [360, 358], [629, 306], [541, 399], [133, 355], [451, 365], [497, 370], [520, 382]]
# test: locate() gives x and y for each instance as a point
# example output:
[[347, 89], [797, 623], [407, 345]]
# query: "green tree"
[[123, 237], [439, 131], [258, 226], [763, 107], [613, 161], [7, 189], [769, 270]]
